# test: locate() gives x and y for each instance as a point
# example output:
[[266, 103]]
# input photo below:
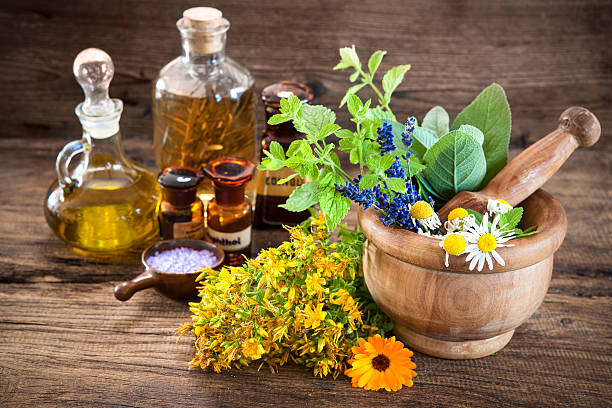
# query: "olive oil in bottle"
[[106, 205]]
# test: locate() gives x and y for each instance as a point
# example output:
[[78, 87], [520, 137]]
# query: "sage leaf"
[[303, 197], [456, 162], [422, 140], [474, 132], [490, 113], [437, 121]]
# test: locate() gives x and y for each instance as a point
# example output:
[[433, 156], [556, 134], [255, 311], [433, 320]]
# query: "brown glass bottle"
[[181, 213], [229, 213], [270, 194]]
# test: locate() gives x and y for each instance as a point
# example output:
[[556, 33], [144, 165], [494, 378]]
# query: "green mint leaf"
[[334, 207], [286, 179], [355, 106], [396, 184], [393, 78], [274, 164], [334, 158], [511, 219], [473, 131], [374, 61], [386, 161], [342, 65], [303, 197], [456, 162], [354, 156], [437, 121], [327, 130], [295, 146], [368, 181], [351, 91], [316, 118], [344, 134], [354, 76], [349, 57], [277, 151], [490, 113], [278, 118]]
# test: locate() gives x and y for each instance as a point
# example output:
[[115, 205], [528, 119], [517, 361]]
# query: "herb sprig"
[[314, 158]]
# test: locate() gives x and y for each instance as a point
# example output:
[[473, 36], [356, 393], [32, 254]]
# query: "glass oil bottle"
[[181, 212], [203, 101], [105, 204], [229, 213], [270, 193]]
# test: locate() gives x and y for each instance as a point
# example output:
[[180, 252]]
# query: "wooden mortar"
[[452, 312]]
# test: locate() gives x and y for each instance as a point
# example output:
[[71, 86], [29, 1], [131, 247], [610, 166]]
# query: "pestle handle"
[[535, 165], [125, 290]]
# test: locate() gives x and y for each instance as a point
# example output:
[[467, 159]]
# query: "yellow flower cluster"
[[304, 300]]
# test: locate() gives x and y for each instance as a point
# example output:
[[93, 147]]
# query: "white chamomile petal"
[[481, 262], [489, 261], [498, 258]]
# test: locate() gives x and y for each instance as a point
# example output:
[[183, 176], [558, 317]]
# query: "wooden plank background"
[[65, 341]]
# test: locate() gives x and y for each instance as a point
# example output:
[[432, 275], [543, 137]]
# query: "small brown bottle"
[[229, 213], [270, 194], [181, 213]]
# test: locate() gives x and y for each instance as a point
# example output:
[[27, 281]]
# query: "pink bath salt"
[[182, 260]]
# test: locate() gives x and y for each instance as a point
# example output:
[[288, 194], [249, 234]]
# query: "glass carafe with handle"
[[102, 203], [203, 101]]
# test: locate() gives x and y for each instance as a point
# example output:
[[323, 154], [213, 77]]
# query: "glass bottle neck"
[[106, 150], [204, 52]]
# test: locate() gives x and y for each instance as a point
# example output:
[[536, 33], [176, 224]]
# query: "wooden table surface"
[[65, 340]]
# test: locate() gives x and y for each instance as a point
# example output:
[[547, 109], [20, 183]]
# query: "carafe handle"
[[62, 165]]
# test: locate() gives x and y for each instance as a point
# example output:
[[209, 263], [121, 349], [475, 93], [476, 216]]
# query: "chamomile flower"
[[423, 213], [498, 206], [453, 244], [458, 220], [482, 242]]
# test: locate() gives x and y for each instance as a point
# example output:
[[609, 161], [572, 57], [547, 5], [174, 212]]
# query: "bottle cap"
[[203, 29], [179, 185], [99, 114], [272, 94], [229, 175]]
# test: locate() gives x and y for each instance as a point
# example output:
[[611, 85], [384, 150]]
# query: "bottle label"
[[189, 230], [230, 241], [267, 183]]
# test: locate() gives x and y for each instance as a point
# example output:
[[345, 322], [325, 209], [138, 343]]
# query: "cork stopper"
[[203, 27]]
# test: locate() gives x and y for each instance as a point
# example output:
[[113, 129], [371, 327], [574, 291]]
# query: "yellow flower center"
[[421, 210], [504, 202], [381, 362], [487, 243], [457, 213], [455, 244]]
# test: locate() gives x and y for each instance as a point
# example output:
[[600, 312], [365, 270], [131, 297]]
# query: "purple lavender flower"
[[385, 138]]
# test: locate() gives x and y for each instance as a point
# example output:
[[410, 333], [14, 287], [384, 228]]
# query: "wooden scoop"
[[535, 165]]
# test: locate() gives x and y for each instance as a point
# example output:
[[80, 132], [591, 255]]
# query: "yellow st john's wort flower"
[[313, 284], [315, 316], [423, 214], [381, 363], [252, 349]]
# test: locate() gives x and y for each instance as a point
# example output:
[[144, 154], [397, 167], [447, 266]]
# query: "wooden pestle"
[[535, 165]]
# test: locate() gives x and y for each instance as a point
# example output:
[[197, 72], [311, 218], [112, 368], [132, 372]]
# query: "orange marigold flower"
[[381, 363]]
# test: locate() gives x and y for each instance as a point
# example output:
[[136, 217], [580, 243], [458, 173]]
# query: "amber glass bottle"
[[269, 193], [229, 213], [181, 213]]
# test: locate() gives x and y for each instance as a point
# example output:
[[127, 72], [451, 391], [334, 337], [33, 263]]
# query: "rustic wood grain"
[[65, 340]]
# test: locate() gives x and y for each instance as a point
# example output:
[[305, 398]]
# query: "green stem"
[[381, 99]]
